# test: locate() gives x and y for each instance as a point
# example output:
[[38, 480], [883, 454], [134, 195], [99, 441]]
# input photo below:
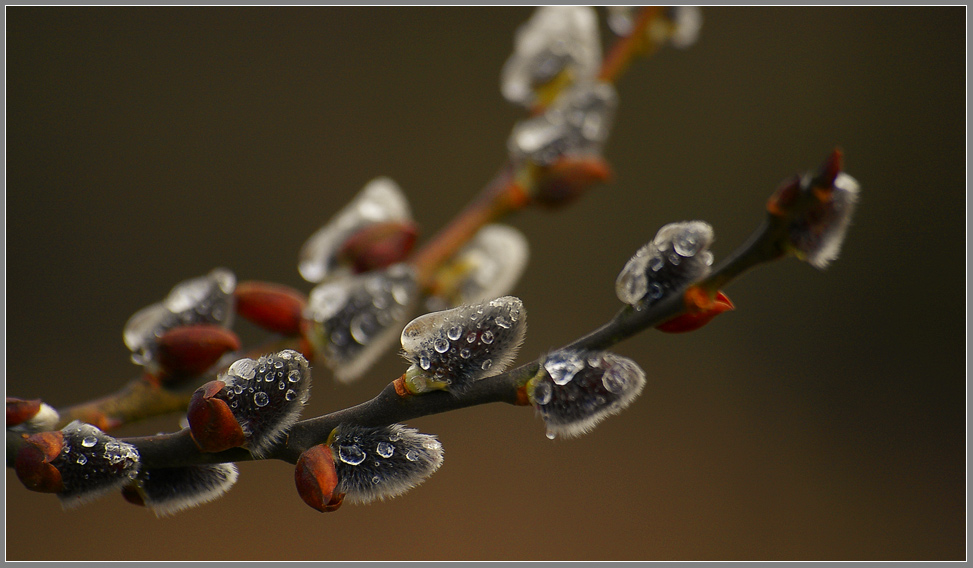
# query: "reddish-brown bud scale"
[[379, 245], [19, 410], [702, 309], [830, 169], [189, 351], [522, 398], [274, 307], [211, 421], [568, 179], [400, 387], [32, 463], [316, 479], [785, 197]]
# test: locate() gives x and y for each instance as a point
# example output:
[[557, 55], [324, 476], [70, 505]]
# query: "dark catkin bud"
[[557, 46], [576, 124], [575, 390], [204, 300], [351, 320], [167, 491], [677, 257], [80, 463], [453, 348], [820, 219], [265, 396], [381, 463]]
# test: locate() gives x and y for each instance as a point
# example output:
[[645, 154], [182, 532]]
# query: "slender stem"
[[169, 450], [500, 197], [139, 398], [627, 47], [144, 397]]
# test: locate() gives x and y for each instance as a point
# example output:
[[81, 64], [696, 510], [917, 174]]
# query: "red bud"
[[212, 422], [378, 245], [316, 479], [19, 410], [785, 196], [698, 317], [32, 463], [190, 350], [569, 178], [829, 169], [274, 307]]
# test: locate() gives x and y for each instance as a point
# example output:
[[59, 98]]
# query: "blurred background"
[[824, 419]]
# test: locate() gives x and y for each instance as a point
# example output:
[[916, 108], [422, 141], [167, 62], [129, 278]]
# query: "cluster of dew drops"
[[248, 369], [352, 453]]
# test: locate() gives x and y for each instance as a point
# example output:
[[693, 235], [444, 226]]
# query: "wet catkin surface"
[[821, 420]]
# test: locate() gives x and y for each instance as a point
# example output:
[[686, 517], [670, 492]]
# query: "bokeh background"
[[824, 419]]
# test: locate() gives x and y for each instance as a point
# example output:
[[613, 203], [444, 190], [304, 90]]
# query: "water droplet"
[[395, 436], [294, 376], [674, 259], [351, 455], [339, 338], [269, 377], [454, 333], [487, 337], [385, 449], [234, 404], [551, 434], [424, 363], [243, 368], [412, 455], [656, 263], [290, 394], [707, 257], [656, 290], [501, 322], [487, 364], [465, 353], [376, 480], [261, 399], [238, 388], [281, 385], [278, 364], [471, 337], [89, 441], [562, 367], [686, 245], [362, 328], [543, 392], [441, 345], [82, 459], [381, 300], [400, 294]]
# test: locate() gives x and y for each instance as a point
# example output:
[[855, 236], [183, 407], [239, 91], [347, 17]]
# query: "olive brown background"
[[824, 419]]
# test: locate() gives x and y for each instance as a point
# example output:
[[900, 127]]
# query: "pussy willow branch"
[[144, 397], [169, 450]]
